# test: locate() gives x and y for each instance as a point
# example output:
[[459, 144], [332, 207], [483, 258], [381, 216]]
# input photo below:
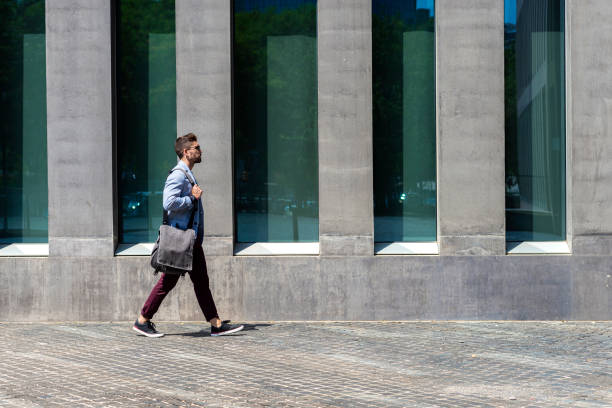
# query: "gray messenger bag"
[[173, 250]]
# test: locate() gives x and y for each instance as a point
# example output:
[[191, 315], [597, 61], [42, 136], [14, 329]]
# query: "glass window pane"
[[146, 113], [535, 120], [23, 123], [404, 114], [275, 125]]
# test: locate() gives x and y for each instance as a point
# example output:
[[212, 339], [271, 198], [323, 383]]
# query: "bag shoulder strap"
[[185, 173], [195, 204]]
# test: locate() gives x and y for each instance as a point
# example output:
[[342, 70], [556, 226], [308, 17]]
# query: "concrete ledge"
[[277, 248], [527, 248], [479, 245], [211, 246], [81, 247], [406, 248], [218, 246], [346, 245], [24, 250], [142, 249], [597, 244]]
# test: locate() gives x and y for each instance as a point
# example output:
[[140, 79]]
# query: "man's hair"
[[184, 142]]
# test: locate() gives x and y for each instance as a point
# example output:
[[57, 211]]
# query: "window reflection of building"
[[536, 183]]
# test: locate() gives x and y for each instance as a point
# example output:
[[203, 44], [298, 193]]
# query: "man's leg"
[[199, 277], [143, 325], [160, 290]]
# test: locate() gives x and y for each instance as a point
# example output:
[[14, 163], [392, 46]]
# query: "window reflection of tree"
[[19, 18], [259, 188], [136, 22], [404, 176]]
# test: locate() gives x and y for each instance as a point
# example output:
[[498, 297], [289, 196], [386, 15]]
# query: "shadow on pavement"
[[206, 332]]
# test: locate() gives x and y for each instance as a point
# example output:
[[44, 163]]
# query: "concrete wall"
[[204, 107], [318, 288], [590, 145], [470, 109], [79, 128], [346, 216], [82, 280]]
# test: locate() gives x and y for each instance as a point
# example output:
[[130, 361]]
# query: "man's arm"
[[172, 193]]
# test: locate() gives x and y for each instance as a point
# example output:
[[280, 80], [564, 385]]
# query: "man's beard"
[[198, 159]]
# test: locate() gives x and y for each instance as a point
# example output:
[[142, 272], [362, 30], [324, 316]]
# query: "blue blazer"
[[179, 202]]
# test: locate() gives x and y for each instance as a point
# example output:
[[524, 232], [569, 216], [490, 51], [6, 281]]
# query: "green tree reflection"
[[275, 126]]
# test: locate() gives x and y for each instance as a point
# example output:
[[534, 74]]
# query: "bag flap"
[[176, 247]]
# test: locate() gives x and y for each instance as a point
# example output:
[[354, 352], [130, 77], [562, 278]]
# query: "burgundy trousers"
[[199, 277]]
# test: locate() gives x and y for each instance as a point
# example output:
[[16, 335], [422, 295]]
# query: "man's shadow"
[[206, 332]]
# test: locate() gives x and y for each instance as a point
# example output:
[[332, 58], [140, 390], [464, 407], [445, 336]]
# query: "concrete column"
[[79, 128], [589, 193], [346, 220], [470, 93], [203, 86]]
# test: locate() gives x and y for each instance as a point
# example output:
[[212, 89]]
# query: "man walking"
[[179, 198]]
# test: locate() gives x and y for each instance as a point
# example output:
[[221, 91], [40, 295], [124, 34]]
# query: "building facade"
[[490, 202]]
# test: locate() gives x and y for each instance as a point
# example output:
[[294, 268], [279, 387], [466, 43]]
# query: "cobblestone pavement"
[[382, 364]]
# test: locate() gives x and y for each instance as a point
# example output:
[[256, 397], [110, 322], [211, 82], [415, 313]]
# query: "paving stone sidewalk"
[[310, 364]]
